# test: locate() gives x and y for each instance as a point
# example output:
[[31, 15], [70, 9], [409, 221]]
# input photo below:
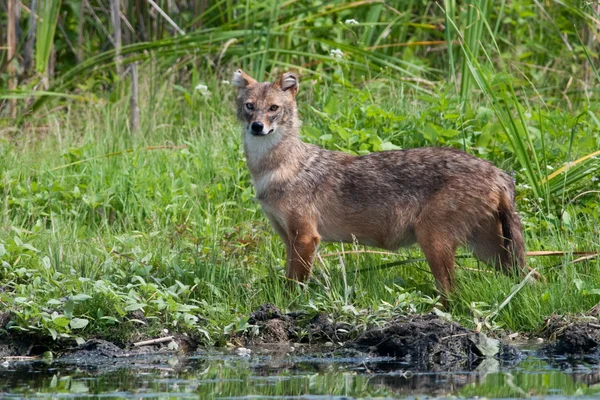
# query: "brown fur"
[[440, 198]]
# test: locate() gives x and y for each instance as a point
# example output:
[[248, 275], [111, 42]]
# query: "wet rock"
[[428, 341]]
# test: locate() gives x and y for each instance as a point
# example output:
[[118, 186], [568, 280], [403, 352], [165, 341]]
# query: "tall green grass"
[[105, 231]]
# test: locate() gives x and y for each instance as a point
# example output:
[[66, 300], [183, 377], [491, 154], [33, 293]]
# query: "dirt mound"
[[96, 348], [573, 336], [270, 325], [425, 341]]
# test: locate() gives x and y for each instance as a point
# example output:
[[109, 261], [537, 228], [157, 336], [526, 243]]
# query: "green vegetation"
[[118, 232]]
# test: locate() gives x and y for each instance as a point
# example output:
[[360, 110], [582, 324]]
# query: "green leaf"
[[79, 323], [431, 132], [109, 318], [69, 308], [48, 12], [389, 146], [61, 321], [135, 306], [53, 333], [80, 297]]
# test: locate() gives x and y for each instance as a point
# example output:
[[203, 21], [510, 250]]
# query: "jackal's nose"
[[257, 127]]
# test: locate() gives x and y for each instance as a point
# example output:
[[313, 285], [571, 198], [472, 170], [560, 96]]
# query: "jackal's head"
[[266, 108]]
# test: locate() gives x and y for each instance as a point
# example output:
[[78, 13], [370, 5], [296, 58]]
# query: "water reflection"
[[220, 375]]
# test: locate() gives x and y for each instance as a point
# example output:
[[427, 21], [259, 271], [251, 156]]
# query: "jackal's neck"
[[279, 150]]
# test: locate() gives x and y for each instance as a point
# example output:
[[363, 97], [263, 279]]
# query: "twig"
[[455, 336], [584, 258], [19, 358], [537, 253], [169, 20], [153, 341], [387, 253], [545, 253]]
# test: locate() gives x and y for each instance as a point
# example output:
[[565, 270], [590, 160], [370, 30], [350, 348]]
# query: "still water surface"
[[227, 376]]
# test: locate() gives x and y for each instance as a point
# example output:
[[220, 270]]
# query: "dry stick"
[[100, 24], [165, 16], [19, 358], [387, 253], [153, 341], [31, 31], [12, 50], [539, 253], [587, 255], [546, 253], [80, 31], [115, 14], [66, 37], [135, 109]]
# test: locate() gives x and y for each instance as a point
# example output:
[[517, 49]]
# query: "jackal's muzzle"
[[258, 129]]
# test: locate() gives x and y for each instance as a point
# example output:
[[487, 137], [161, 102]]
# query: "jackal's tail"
[[512, 230]]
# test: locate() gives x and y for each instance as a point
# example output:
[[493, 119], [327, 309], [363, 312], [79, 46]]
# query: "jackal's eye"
[[274, 107], [250, 106]]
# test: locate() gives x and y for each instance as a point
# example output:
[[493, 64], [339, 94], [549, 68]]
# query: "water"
[[226, 376]]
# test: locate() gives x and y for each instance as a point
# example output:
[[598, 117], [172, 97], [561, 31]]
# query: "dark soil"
[[93, 349], [418, 341], [429, 341], [273, 326], [573, 336], [422, 341]]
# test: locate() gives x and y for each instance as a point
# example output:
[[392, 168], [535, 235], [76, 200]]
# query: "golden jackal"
[[439, 198]]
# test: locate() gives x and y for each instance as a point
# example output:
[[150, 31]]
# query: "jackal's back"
[[378, 198]]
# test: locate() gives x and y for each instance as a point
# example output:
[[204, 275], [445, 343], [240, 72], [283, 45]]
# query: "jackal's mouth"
[[261, 133]]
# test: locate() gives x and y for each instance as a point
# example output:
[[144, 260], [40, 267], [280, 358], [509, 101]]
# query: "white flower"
[[337, 53], [550, 167], [351, 22], [595, 179], [201, 87], [225, 82]]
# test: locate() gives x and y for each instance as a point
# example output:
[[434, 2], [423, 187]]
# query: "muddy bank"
[[32, 347], [429, 341], [420, 341], [270, 325], [573, 336], [424, 342]]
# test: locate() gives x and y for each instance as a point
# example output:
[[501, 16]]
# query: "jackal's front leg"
[[301, 247]]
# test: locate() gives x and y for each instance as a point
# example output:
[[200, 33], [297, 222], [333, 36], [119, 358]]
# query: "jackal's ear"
[[242, 79], [289, 81]]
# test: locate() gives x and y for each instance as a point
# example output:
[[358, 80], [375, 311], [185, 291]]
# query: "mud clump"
[[430, 342], [423, 341], [270, 325], [573, 336]]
